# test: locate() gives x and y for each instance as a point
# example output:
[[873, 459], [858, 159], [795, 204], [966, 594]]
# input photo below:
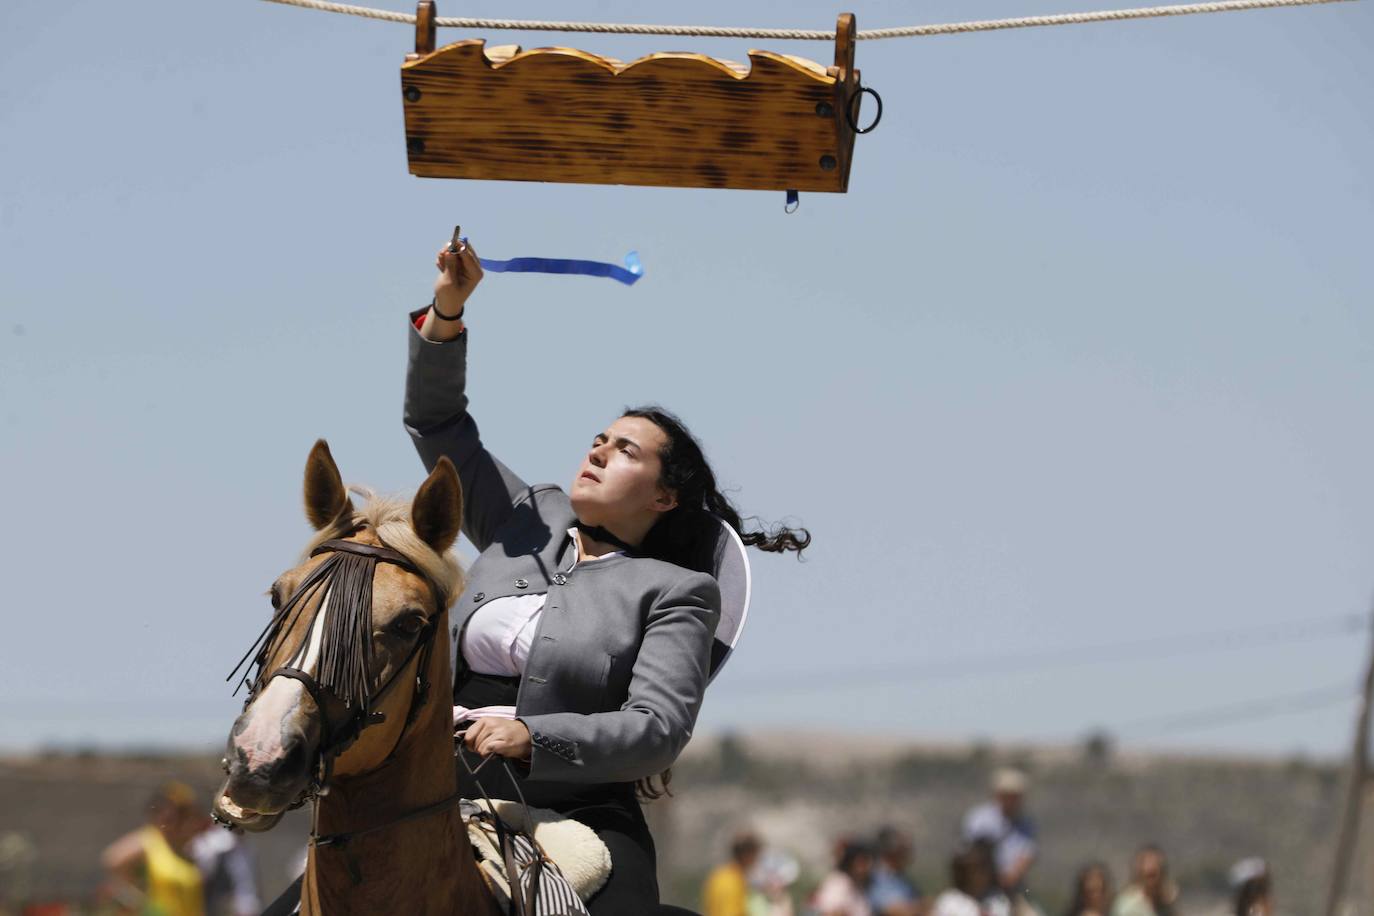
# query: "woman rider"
[[590, 611]]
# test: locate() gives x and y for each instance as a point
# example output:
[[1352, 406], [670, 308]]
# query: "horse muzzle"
[[269, 770], [230, 815]]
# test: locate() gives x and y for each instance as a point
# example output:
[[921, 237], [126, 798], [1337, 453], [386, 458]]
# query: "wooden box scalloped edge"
[[675, 119]]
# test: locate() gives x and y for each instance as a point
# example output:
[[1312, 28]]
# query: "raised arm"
[[436, 404]]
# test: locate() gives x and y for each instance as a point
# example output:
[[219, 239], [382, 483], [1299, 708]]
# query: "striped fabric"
[[542, 888]]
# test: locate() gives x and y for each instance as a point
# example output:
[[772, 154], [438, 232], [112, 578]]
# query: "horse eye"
[[408, 625]]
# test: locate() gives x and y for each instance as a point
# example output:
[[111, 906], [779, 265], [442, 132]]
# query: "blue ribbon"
[[628, 274]]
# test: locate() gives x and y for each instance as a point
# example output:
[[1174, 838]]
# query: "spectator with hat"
[[1253, 888], [773, 875], [1002, 823]]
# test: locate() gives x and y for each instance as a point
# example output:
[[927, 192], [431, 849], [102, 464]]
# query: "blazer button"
[[479, 596], [560, 579], [522, 583]]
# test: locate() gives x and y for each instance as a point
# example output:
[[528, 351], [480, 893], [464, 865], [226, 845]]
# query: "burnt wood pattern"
[[673, 119]]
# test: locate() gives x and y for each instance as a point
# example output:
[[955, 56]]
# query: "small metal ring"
[[851, 110]]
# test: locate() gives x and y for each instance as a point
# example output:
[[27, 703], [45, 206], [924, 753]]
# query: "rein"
[[505, 835]]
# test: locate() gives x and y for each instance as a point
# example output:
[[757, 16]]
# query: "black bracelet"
[[434, 304]]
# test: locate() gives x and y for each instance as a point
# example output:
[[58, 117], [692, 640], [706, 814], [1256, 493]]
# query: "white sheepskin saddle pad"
[[574, 847]]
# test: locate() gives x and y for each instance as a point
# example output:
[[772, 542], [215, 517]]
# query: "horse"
[[340, 712]]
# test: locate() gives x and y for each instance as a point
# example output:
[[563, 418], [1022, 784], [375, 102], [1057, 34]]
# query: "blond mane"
[[389, 517]]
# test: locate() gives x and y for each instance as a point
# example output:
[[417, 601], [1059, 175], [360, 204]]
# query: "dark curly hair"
[[687, 534]]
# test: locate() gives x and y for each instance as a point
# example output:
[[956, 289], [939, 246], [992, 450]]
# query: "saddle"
[[557, 862]]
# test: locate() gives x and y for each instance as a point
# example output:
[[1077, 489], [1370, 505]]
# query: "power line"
[[1152, 648], [1244, 710]]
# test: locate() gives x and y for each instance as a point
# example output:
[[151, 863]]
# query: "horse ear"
[[437, 513], [325, 496]]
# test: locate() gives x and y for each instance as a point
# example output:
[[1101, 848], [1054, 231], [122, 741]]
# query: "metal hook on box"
[[851, 112]]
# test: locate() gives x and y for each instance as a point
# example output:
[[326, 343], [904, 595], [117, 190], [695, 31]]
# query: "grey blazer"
[[619, 660]]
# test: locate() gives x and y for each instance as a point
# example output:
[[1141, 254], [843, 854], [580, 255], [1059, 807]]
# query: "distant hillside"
[[800, 793]]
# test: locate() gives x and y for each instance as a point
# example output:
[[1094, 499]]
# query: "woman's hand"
[[459, 274], [507, 737]]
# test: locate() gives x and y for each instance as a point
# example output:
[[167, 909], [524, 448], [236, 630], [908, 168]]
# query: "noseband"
[[345, 649]]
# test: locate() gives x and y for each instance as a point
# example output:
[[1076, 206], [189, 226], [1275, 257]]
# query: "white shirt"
[[956, 903], [499, 634], [1012, 839], [838, 894], [227, 872]]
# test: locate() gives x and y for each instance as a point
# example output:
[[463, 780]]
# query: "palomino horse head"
[[341, 666]]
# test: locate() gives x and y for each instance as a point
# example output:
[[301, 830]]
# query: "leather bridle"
[[334, 741], [328, 575]]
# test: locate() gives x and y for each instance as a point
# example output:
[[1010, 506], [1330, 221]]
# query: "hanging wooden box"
[[672, 119]]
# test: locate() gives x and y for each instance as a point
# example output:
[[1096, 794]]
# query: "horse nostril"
[[236, 761], [294, 762]]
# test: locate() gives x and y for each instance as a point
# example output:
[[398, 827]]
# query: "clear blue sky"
[[1085, 355]]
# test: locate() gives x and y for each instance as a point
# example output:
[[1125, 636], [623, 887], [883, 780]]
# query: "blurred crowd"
[[177, 863], [988, 875]]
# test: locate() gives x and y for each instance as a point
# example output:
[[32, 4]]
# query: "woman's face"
[[1149, 873], [617, 483], [177, 823], [980, 879], [1095, 890], [861, 869]]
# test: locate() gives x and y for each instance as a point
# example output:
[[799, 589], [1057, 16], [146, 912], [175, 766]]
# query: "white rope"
[[949, 28], [1148, 12]]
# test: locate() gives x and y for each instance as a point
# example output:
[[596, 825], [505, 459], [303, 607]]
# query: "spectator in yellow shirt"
[[727, 887], [150, 865]]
